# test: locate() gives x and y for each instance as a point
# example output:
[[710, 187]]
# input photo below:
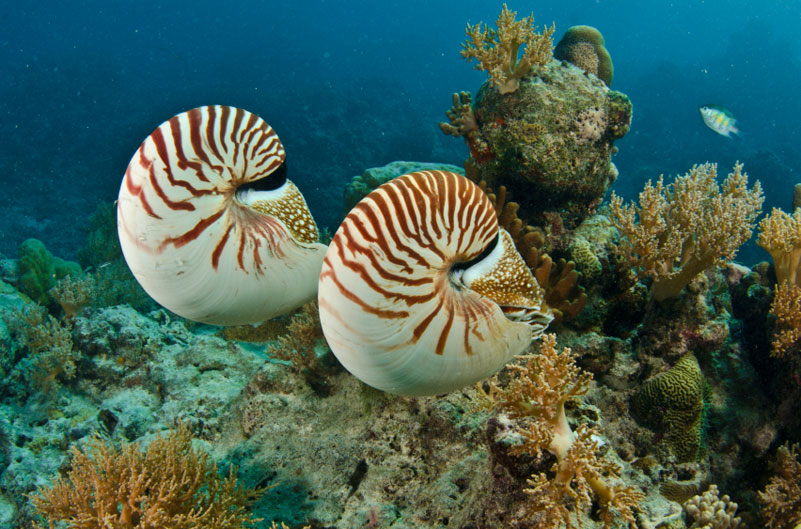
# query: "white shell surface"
[[391, 307], [197, 248]]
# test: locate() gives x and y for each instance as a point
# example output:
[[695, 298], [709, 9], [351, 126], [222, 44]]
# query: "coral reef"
[[679, 230], [584, 46], [550, 142], [535, 398], [169, 484], [497, 51]]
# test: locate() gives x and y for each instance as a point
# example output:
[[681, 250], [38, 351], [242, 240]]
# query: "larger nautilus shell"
[[422, 293], [209, 224]]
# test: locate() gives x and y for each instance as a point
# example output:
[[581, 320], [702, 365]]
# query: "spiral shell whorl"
[[190, 241], [393, 310]]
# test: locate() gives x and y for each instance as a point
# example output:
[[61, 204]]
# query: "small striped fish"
[[719, 119]]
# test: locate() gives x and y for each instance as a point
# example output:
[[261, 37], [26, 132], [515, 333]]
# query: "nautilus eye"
[[209, 224], [422, 293]]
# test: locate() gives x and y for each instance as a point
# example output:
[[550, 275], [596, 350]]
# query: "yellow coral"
[[498, 50], [535, 397], [680, 230], [786, 307], [170, 484], [780, 236]]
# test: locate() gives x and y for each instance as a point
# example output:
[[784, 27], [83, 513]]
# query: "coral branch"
[[497, 51], [680, 230], [535, 397]]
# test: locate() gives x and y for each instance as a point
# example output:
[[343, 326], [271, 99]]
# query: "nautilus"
[[421, 292], [210, 226]]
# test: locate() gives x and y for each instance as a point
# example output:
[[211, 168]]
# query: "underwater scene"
[[407, 265]]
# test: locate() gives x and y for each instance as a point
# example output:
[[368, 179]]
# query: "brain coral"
[[584, 47], [675, 399]]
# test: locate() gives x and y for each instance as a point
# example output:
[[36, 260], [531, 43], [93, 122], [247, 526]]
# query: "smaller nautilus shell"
[[422, 293], [209, 224]]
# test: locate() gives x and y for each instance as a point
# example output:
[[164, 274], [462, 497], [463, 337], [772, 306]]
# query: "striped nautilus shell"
[[209, 224], [422, 292]]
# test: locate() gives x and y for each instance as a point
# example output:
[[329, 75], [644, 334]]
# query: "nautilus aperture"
[[209, 224], [422, 293]]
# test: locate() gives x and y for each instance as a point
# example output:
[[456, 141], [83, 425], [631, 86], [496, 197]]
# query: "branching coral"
[[297, 345], [679, 230], [73, 294], [498, 50], [461, 116], [781, 499], [170, 484], [535, 398], [48, 344]]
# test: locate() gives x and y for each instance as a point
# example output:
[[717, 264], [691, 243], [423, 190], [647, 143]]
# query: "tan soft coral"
[[679, 230], [781, 499], [535, 398], [780, 236], [170, 484], [498, 50]]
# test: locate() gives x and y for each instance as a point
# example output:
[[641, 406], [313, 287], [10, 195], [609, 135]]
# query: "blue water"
[[349, 85]]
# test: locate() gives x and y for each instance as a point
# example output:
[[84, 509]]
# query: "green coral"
[[38, 271], [675, 399], [584, 46]]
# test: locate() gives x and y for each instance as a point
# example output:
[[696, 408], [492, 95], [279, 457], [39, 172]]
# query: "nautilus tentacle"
[[209, 225], [421, 292]]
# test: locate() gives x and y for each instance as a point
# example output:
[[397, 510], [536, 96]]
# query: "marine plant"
[[497, 51], [168, 484], [534, 397], [679, 230]]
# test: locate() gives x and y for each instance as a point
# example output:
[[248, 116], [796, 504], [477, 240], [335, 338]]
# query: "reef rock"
[[360, 185], [550, 142]]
